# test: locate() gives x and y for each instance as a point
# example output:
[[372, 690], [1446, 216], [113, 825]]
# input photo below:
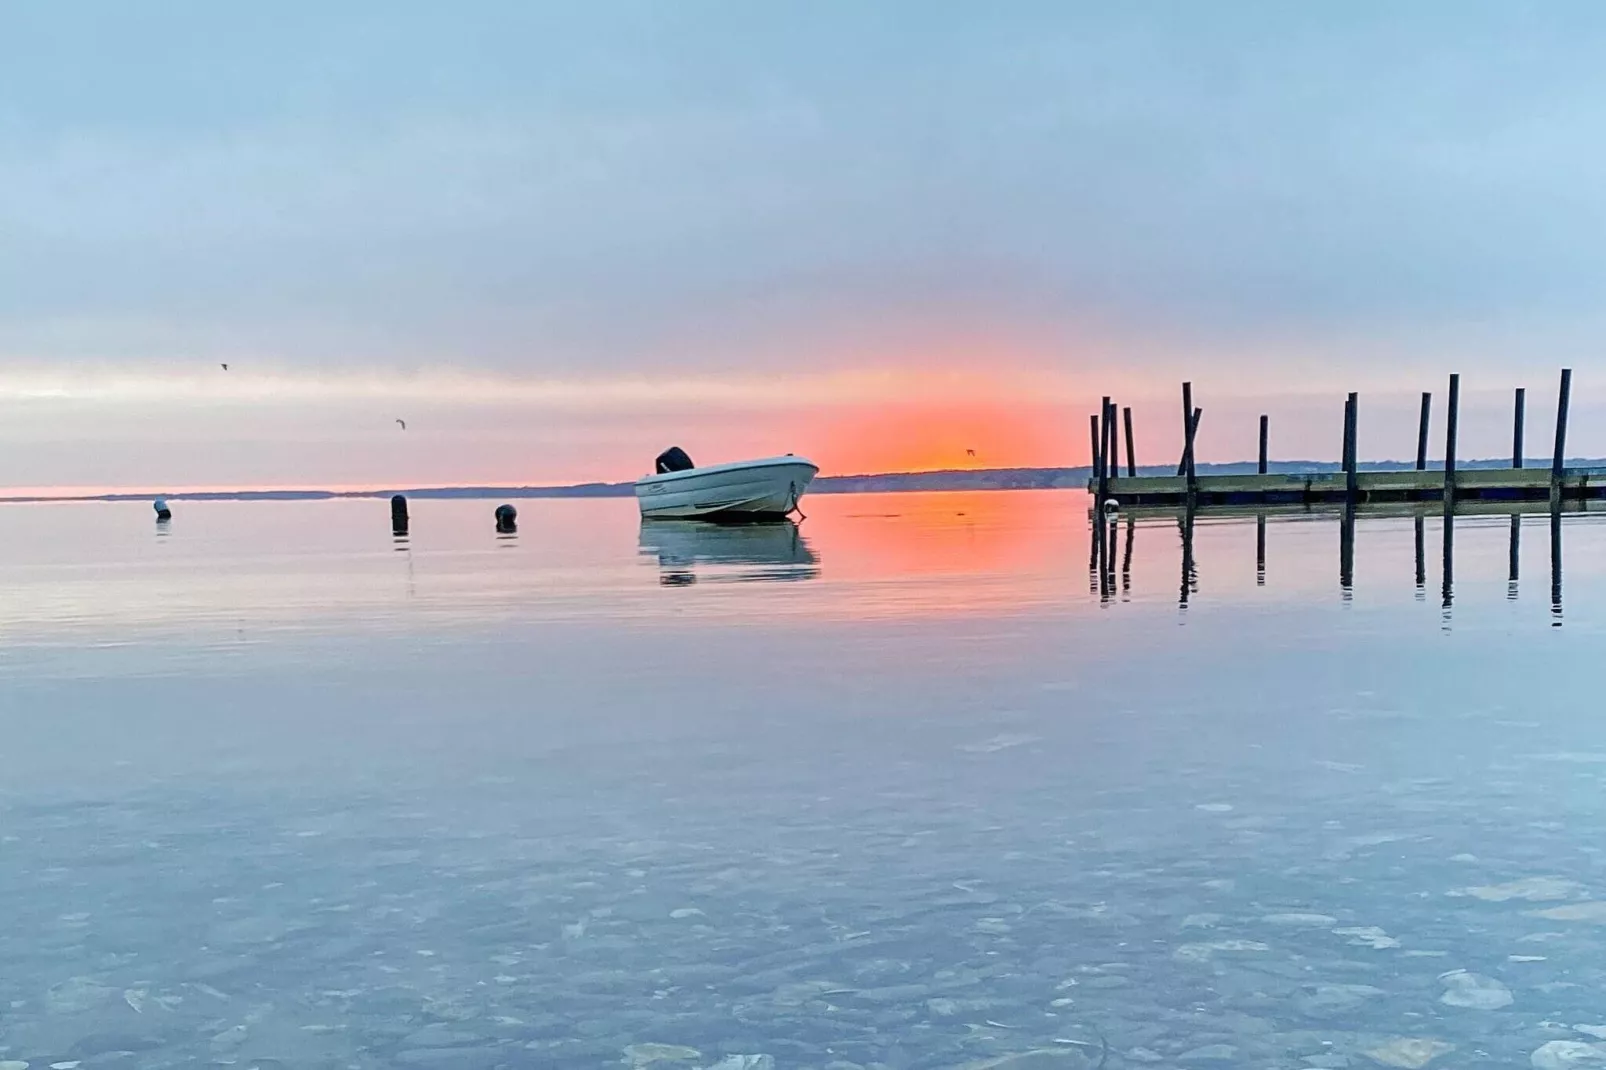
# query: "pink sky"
[[107, 429]]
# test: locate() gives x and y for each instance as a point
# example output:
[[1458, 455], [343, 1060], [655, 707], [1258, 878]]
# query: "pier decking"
[[1312, 488]]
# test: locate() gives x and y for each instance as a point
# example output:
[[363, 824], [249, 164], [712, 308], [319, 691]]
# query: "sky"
[[556, 238]]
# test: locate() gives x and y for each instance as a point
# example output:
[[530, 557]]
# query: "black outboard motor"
[[674, 459]]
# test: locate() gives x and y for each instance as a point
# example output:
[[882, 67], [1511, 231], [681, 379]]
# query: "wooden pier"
[[1348, 486]]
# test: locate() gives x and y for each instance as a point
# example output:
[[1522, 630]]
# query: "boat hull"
[[745, 491]]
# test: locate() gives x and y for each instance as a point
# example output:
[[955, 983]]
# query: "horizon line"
[[822, 484]]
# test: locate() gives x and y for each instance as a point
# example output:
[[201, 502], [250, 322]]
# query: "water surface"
[[907, 786]]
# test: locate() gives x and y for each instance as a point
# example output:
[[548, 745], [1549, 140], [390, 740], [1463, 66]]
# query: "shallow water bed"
[[896, 789]]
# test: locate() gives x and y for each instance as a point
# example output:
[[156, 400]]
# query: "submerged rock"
[[1474, 990], [1301, 921], [644, 1055], [1206, 952], [1210, 1053], [1039, 1059], [1565, 1054], [745, 1062], [1592, 912], [1368, 936], [1408, 1053], [1325, 1001], [1529, 889]]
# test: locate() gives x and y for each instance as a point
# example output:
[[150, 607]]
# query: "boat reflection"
[[691, 551]]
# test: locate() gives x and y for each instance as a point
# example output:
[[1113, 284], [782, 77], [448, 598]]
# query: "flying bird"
[[970, 453], [403, 424], [225, 367]]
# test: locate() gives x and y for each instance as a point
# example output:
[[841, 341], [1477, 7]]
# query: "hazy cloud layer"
[[1268, 196]]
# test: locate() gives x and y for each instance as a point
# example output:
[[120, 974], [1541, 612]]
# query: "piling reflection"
[[1350, 522], [689, 552], [1514, 558], [1260, 541], [1555, 568], [1421, 559], [1346, 554]]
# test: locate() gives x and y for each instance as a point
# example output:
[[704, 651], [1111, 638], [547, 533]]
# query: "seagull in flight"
[[970, 453], [403, 424], [225, 367]]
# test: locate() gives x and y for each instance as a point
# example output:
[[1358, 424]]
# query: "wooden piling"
[[1265, 428], [1104, 453], [1351, 485], [1112, 442], [1093, 447], [1187, 425], [1422, 432], [398, 515], [1193, 477], [1452, 412], [1131, 451], [1516, 427], [1558, 458]]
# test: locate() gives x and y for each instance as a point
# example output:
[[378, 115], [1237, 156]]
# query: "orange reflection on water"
[[955, 533]]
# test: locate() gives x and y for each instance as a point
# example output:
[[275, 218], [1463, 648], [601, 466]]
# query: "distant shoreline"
[[890, 482]]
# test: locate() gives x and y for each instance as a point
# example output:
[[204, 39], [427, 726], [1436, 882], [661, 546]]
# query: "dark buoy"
[[398, 515], [507, 519], [162, 511]]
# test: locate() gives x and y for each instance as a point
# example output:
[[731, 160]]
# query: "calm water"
[[910, 786]]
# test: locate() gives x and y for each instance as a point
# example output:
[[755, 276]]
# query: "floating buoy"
[[162, 511], [1111, 505], [398, 515], [507, 519]]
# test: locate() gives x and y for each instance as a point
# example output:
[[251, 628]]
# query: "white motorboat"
[[744, 490]]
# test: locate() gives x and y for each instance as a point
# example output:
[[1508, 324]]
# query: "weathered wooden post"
[[1187, 423], [398, 515], [1516, 427], [1451, 414], [507, 519], [1351, 479], [1131, 450], [1558, 459], [1193, 476], [1104, 454], [1093, 449], [1422, 432], [1265, 434], [1112, 444]]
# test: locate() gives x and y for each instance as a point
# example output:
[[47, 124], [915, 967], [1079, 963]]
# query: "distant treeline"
[[978, 479]]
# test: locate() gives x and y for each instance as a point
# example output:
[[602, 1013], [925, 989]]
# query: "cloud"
[[588, 212]]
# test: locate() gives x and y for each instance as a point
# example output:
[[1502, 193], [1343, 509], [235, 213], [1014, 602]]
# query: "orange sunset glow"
[[920, 437]]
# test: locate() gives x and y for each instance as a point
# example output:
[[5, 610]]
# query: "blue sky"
[[480, 212]]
